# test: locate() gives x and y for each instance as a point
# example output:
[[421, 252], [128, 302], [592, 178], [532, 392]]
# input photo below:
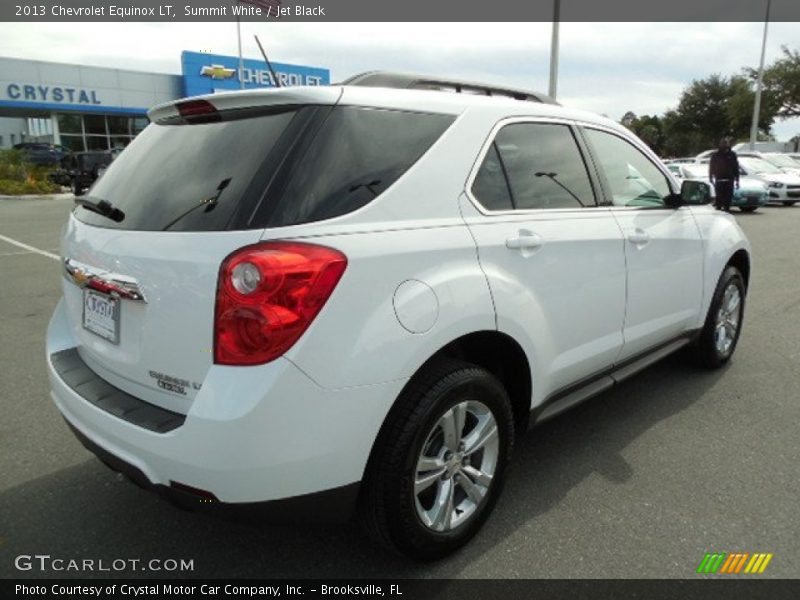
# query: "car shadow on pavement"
[[87, 511]]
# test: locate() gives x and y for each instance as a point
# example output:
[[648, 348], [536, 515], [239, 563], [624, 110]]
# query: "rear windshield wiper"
[[209, 203], [103, 208]]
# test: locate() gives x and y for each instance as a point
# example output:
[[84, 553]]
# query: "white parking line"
[[29, 248]]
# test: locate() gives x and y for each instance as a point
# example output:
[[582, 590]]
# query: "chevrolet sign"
[[217, 72], [205, 73]]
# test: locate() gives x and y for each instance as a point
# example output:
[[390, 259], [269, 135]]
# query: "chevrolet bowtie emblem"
[[217, 72], [80, 277]]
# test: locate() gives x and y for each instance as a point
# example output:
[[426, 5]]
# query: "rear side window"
[[169, 177], [355, 156], [543, 166], [490, 185]]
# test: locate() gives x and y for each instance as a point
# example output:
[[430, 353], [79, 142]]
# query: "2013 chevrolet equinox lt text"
[[353, 298]]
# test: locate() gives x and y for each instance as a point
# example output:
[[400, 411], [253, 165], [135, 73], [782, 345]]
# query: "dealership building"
[[96, 108]]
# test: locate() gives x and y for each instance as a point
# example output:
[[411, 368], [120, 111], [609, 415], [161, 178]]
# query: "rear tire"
[[77, 189], [427, 492], [748, 209], [723, 324], [788, 203]]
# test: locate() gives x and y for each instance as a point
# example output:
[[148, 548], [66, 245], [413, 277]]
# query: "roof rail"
[[391, 79]]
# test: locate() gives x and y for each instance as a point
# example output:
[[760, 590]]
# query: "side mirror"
[[695, 192]]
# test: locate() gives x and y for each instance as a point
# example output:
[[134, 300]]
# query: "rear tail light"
[[268, 295]]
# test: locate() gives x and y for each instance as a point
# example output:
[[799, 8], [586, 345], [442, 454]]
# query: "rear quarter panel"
[[357, 339]]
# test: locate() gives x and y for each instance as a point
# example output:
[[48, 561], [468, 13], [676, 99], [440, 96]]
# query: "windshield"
[[781, 160], [168, 171], [756, 165]]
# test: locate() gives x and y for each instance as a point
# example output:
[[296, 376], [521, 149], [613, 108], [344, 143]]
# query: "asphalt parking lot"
[[640, 482]]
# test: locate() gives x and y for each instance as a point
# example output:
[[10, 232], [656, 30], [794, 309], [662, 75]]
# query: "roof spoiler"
[[250, 99], [390, 79]]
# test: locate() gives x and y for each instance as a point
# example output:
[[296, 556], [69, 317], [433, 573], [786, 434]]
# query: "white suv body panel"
[[664, 275], [306, 422]]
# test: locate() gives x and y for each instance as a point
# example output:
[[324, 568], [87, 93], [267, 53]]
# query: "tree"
[[782, 83], [628, 119], [713, 108], [740, 110], [649, 130]]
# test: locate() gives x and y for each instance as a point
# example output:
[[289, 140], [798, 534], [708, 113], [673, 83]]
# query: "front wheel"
[[788, 203], [723, 324], [748, 209], [439, 463]]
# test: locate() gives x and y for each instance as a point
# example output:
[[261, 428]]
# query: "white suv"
[[351, 299]]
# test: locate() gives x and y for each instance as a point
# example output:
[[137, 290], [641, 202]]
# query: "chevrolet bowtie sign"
[[205, 73], [217, 72]]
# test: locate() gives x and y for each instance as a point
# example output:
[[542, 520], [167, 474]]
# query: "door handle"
[[526, 240], [639, 237]]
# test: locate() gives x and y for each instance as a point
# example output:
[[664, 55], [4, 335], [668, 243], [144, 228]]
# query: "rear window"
[[167, 177], [291, 167]]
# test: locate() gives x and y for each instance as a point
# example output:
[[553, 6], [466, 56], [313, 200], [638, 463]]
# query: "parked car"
[[79, 170], [751, 194], [784, 162], [675, 169], [252, 315], [678, 161], [705, 155], [783, 187], [39, 153]]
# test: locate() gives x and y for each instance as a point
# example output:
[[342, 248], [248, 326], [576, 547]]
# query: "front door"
[[663, 246]]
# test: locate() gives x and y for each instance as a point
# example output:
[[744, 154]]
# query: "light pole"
[[553, 88], [241, 60], [759, 83]]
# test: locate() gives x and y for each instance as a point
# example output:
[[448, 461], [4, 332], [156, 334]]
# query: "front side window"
[[632, 178], [542, 165]]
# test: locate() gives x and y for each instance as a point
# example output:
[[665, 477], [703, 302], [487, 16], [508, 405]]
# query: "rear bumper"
[[329, 505], [251, 435]]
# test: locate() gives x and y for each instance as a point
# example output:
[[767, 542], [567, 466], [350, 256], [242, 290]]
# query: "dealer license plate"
[[101, 315]]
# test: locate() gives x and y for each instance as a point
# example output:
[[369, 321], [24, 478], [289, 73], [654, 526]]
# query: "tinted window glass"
[[544, 166], [356, 155], [167, 175], [633, 179], [490, 187], [94, 124]]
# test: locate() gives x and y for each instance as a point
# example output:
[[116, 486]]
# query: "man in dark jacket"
[[723, 172]]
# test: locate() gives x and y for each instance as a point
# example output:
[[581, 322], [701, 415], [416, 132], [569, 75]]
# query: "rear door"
[[663, 246], [553, 258], [140, 289]]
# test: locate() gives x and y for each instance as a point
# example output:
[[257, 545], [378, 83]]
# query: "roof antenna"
[[269, 64]]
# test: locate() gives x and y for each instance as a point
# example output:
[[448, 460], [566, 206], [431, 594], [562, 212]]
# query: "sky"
[[608, 68]]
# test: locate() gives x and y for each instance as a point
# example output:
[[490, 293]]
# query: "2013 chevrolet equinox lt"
[[357, 296]]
